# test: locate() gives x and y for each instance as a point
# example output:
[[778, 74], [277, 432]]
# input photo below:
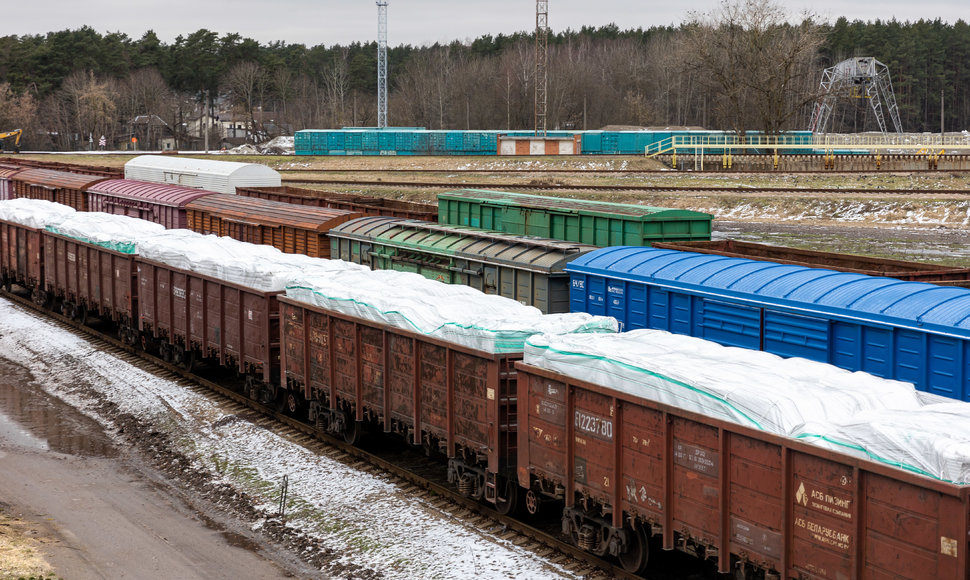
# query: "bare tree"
[[336, 84], [246, 82], [89, 107], [18, 112], [753, 61]]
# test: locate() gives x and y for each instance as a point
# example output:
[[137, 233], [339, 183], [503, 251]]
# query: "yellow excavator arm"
[[16, 133]]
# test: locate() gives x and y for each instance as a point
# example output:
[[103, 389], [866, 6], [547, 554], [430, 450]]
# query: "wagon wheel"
[[532, 502], [68, 309], [295, 405], [188, 360], [81, 314], [634, 559], [352, 432], [165, 351], [507, 502], [8, 284]]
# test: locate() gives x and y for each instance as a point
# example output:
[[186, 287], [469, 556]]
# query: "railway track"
[[408, 470], [627, 187]]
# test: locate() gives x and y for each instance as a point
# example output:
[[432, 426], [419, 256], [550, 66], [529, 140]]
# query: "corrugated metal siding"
[[909, 331]]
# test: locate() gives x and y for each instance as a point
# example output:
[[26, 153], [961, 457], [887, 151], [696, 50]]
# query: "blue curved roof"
[[882, 300]]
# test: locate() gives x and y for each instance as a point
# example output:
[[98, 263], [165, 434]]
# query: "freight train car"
[[365, 205], [428, 390], [910, 331], [904, 270], [639, 469], [291, 228], [523, 268], [575, 220], [155, 202], [218, 176], [420, 141], [6, 188], [402, 141], [61, 187]]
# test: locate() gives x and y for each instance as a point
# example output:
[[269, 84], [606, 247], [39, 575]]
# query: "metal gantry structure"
[[860, 77], [382, 64], [542, 44]]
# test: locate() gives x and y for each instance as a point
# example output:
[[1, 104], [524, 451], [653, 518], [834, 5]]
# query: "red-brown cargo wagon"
[[190, 315], [6, 188], [365, 205], [88, 278], [155, 202], [440, 395], [291, 228], [867, 265], [22, 257], [761, 505], [62, 187]]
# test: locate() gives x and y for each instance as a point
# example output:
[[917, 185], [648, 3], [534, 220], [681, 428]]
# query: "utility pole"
[[542, 43], [381, 64]]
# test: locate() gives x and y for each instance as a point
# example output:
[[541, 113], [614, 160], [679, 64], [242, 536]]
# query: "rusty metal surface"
[[901, 269], [782, 505], [90, 276], [290, 228], [364, 205], [21, 254], [236, 325], [412, 384]]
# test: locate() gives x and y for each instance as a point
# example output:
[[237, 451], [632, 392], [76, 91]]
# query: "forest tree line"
[[745, 67]]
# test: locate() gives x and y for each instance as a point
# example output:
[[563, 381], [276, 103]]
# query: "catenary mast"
[[382, 64]]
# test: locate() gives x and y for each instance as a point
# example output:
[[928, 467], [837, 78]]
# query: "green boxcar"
[[523, 268], [574, 220]]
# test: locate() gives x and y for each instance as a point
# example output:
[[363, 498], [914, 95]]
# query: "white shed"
[[219, 176]]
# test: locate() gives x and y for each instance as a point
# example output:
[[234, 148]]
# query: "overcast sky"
[[416, 22]]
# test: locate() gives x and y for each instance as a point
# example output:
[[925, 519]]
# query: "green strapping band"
[[654, 374]]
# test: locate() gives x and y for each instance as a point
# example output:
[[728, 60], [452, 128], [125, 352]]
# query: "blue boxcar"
[[910, 331]]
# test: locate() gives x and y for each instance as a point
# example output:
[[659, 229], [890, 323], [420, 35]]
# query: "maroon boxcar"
[[58, 186], [290, 228], [6, 187], [22, 257], [87, 278], [761, 505], [190, 315], [155, 202], [362, 204], [440, 395]]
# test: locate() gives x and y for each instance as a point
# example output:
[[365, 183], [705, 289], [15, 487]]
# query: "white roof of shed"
[[220, 176]]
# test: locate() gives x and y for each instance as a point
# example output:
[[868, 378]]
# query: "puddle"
[[29, 417]]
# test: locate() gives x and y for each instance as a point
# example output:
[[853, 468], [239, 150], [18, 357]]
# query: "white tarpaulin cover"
[[256, 266], [933, 440], [115, 232], [455, 313], [885, 420], [34, 213]]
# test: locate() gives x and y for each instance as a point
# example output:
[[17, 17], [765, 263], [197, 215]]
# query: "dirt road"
[[53, 477]]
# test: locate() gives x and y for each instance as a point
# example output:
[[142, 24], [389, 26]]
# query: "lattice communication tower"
[[542, 44], [863, 78], [381, 64]]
